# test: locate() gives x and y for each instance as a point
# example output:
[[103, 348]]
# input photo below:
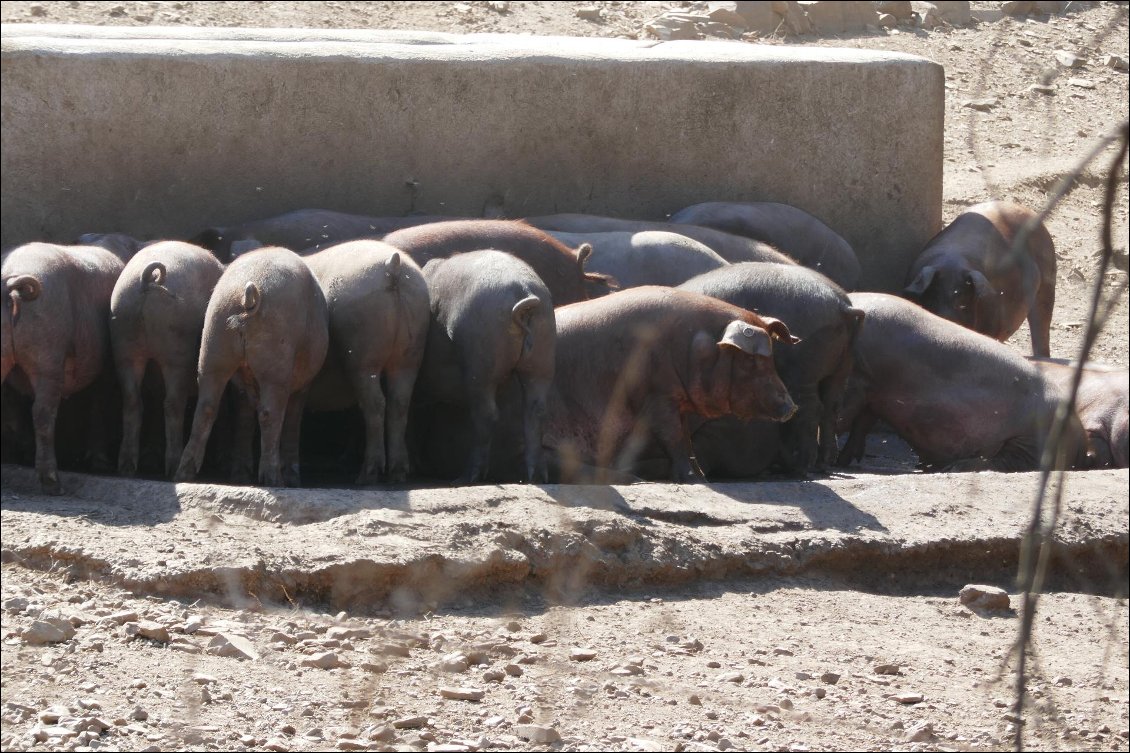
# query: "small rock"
[[37, 9], [154, 631], [590, 13], [819, 692], [53, 714], [830, 678], [539, 638], [582, 654], [1063, 682], [734, 677], [122, 618], [919, 732], [1082, 83], [1068, 59], [463, 694], [980, 105], [410, 722], [537, 733], [988, 598], [323, 660], [376, 667], [51, 630], [1117, 62], [16, 604], [346, 633], [886, 669], [456, 662], [694, 700], [349, 744], [887, 21], [229, 644], [1041, 89], [139, 714], [908, 697]]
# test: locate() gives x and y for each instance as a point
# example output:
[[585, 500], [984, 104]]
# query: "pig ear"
[[778, 330], [747, 338], [980, 284], [921, 282]]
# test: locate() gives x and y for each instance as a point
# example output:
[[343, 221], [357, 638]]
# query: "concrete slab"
[[373, 549], [163, 131]]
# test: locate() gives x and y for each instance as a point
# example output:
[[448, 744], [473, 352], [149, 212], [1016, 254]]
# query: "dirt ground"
[[768, 664]]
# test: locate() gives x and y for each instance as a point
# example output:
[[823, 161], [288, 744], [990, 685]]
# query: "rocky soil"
[[805, 662]]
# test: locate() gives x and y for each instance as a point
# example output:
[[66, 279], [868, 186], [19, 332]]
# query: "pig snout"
[[786, 409]]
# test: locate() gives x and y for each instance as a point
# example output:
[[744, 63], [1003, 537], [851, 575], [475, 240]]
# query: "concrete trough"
[[164, 131]]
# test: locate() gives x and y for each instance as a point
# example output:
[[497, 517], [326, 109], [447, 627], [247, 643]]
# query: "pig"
[[732, 248], [268, 324], [312, 229], [1102, 405], [378, 318], [815, 370], [792, 230], [492, 321], [649, 257], [119, 244], [961, 400], [969, 274], [157, 314], [560, 268], [56, 338], [635, 365]]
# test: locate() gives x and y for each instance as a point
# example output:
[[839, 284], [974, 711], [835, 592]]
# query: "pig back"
[[555, 264], [790, 229]]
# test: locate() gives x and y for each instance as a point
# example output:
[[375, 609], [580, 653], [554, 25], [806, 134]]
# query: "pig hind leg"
[[856, 443], [178, 384], [272, 411], [48, 389], [371, 398], [131, 371], [212, 385], [1040, 319], [400, 383], [534, 393]]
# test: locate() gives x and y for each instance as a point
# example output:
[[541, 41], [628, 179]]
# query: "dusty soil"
[[734, 663]]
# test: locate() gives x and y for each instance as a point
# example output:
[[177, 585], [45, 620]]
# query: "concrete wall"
[[163, 131]]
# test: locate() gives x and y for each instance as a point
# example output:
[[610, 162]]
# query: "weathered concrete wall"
[[162, 131]]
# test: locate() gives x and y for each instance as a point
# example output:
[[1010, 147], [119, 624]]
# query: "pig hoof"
[[398, 476], [367, 479], [49, 482], [127, 468]]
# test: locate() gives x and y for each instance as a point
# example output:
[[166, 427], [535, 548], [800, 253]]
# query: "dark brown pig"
[[969, 275], [560, 268], [649, 257], [815, 370], [792, 230], [1102, 404], [961, 400], [633, 366], [267, 324], [157, 314], [378, 308], [312, 229], [492, 321], [732, 248], [56, 338], [119, 244]]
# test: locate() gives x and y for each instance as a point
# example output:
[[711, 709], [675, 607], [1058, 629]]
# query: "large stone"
[[826, 17], [987, 598], [900, 9], [794, 19], [51, 630], [383, 123], [758, 15], [951, 12]]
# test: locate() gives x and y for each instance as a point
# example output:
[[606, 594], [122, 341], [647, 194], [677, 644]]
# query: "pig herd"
[[566, 348]]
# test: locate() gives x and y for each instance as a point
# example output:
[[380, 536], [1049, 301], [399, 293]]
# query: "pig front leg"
[[291, 436], [857, 440], [669, 428]]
